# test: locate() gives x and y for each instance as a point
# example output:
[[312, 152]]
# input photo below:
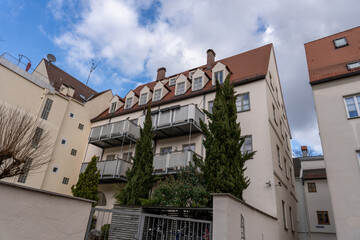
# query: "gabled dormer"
[[131, 99], [145, 96], [199, 80], [115, 103], [220, 72], [182, 85], [172, 81], [159, 91]]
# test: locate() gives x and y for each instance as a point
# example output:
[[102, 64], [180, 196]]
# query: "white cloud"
[[183, 30]]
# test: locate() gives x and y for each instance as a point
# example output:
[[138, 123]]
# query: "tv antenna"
[[93, 67], [51, 58]]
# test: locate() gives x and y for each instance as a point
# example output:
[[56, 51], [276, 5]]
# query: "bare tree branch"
[[22, 139]]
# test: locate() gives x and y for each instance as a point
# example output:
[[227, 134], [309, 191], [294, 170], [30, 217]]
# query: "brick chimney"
[[210, 59], [160, 73], [304, 151]]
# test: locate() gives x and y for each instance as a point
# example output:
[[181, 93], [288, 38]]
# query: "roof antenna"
[[93, 67]]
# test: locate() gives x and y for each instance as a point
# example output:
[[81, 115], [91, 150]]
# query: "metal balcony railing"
[[171, 162], [111, 170], [111, 134]]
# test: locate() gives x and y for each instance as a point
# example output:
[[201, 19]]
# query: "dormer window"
[[112, 107], [157, 95], [128, 103], [340, 42], [143, 99], [219, 76], [197, 83], [172, 81], [180, 88]]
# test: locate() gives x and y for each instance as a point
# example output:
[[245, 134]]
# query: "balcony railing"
[[111, 170], [171, 162], [175, 121], [114, 134]]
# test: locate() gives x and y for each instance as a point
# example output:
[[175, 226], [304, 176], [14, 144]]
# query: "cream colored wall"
[[200, 73], [340, 141], [312, 164], [36, 215], [40, 72]]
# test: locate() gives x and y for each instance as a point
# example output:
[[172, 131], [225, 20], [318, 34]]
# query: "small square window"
[[65, 181], [172, 81], [340, 42], [323, 217], [81, 126], [73, 152], [72, 115], [311, 187], [55, 169], [63, 141]]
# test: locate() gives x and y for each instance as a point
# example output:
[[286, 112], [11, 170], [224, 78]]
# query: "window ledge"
[[349, 118], [244, 111]]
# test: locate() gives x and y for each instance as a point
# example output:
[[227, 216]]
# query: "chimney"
[[210, 59], [304, 151], [160, 73]]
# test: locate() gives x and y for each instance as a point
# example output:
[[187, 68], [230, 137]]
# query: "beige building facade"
[[334, 70], [177, 102]]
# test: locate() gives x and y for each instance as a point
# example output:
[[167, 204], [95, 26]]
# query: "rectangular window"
[[290, 175], [247, 145], [110, 157], [81, 126], [166, 150], [286, 174], [284, 215], [26, 169], [210, 107], [353, 66], [143, 99], [113, 107], [352, 106], [46, 110], [323, 217], [358, 155], [73, 152], [274, 113], [197, 83], [65, 181], [188, 147], [311, 187], [180, 88], [340, 42], [271, 82], [37, 136], [278, 155], [127, 156], [243, 102], [128, 103], [172, 81], [219, 76], [281, 129], [291, 220], [157, 95]]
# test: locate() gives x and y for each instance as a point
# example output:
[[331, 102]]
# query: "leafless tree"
[[24, 142]]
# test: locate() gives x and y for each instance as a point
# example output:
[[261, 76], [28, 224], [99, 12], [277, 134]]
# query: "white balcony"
[[114, 134], [175, 121]]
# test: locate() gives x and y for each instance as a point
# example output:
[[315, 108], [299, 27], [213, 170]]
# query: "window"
[[102, 199], [110, 157], [274, 113], [166, 150], [143, 99], [73, 152], [127, 156], [278, 155], [63, 141], [340, 42], [271, 84], [55, 169], [311, 187], [352, 66], [37, 136], [172, 81], [281, 129], [157, 95], [242, 227], [219, 76], [112, 107], [290, 175], [323, 217], [188, 147], [191, 74], [65, 181], [180, 88], [81, 126], [197, 83], [358, 155], [128, 103], [247, 145], [46, 110], [243, 102], [72, 115], [26, 169], [284, 215], [210, 107], [352, 106], [291, 220], [286, 174]]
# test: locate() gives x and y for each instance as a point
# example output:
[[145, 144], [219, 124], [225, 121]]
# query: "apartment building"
[[315, 218], [334, 72], [177, 104], [64, 106]]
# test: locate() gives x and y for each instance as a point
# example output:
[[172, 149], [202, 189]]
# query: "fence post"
[[141, 226], [89, 224]]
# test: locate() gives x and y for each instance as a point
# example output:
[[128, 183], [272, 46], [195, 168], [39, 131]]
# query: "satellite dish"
[[51, 58]]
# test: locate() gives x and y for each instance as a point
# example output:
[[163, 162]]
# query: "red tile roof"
[[57, 77], [245, 67], [325, 62]]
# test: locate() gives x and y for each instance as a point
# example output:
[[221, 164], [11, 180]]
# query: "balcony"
[[114, 134], [111, 170], [171, 162], [175, 121]]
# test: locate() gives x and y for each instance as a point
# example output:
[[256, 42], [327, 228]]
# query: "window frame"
[[292, 226], [222, 76], [37, 137], [312, 188], [128, 103], [337, 47], [81, 126], [323, 216], [47, 107], [157, 91], [353, 68], [210, 110], [142, 97], [27, 165], [65, 180], [251, 141], [278, 154], [177, 88], [198, 86], [284, 215], [242, 102], [112, 107], [73, 152], [72, 115], [172, 81]]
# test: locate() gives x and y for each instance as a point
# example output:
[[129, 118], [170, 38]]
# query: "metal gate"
[[111, 224]]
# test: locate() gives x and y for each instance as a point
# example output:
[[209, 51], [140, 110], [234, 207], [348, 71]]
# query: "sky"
[[131, 39]]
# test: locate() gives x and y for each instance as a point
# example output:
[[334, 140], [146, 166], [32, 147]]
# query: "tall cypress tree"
[[223, 168], [87, 185], [140, 177]]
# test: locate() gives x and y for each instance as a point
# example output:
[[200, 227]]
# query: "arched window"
[[102, 199]]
